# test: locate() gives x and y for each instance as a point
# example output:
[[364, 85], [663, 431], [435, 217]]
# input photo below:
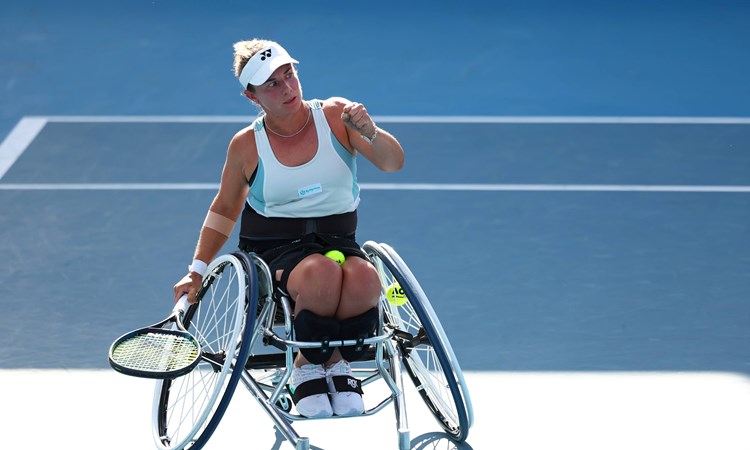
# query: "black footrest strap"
[[346, 383], [308, 388]]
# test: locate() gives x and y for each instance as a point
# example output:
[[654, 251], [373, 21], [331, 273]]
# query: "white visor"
[[260, 67]]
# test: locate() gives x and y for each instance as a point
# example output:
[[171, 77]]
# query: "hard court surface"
[[576, 204]]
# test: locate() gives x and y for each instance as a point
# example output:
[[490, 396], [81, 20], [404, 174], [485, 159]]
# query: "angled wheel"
[[186, 410], [428, 357]]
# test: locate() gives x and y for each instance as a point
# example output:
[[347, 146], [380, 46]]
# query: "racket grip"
[[182, 305]]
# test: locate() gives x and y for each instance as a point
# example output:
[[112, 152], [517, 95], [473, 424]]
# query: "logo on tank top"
[[308, 191]]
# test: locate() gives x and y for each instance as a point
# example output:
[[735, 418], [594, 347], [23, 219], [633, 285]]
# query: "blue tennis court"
[[556, 246], [575, 201]]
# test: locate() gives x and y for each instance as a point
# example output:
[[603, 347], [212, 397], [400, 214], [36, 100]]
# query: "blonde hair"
[[244, 50]]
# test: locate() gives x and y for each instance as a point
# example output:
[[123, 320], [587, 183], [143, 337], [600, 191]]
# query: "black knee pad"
[[360, 328], [310, 327]]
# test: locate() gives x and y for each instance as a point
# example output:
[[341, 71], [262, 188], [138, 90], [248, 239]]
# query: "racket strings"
[[155, 352]]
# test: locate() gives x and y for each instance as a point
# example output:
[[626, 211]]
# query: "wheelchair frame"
[[239, 318]]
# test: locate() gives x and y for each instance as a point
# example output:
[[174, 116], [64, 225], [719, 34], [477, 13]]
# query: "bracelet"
[[369, 139], [198, 267]]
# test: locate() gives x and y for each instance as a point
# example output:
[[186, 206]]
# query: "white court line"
[[29, 127], [108, 186], [18, 140], [658, 120], [386, 187], [551, 187]]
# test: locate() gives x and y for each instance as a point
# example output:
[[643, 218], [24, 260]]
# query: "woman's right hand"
[[189, 284]]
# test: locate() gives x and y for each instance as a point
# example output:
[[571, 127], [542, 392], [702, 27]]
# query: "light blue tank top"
[[324, 186]]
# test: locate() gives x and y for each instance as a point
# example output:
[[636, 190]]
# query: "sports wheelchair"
[[245, 328]]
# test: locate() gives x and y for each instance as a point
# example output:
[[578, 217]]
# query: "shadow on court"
[[437, 441]]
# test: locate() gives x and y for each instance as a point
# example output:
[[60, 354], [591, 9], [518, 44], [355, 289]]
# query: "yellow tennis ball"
[[336, 256], [395, 294]]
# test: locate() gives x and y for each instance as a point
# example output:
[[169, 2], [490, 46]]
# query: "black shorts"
[[286, 254]]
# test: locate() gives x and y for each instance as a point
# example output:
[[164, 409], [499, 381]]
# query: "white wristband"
[[198, 267]]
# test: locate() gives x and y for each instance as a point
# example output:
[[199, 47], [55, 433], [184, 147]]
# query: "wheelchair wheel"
[[186, 410], [427, 355]]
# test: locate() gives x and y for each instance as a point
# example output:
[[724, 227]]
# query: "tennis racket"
[[157, 351]]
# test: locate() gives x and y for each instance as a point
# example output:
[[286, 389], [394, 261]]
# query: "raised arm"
[[374, 143]]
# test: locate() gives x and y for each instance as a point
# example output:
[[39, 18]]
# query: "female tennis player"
[[292, 175]]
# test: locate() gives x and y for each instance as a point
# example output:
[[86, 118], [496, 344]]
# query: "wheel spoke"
[[428, 360], [190, 406]]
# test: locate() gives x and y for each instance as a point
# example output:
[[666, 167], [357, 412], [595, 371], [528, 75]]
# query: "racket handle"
[[182, 305]]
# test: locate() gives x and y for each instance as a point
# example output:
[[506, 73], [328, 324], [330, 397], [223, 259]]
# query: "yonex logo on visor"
[[261, 65]]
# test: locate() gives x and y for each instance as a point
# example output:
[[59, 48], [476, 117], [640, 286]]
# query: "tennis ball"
[[336, 256], [395, 294]]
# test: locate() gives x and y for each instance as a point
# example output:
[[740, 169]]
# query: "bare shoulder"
[[335, 105], [333, 108], [243, 140], [242, 151]]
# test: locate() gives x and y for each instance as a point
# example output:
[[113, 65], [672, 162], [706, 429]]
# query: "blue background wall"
[[419, 57]]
